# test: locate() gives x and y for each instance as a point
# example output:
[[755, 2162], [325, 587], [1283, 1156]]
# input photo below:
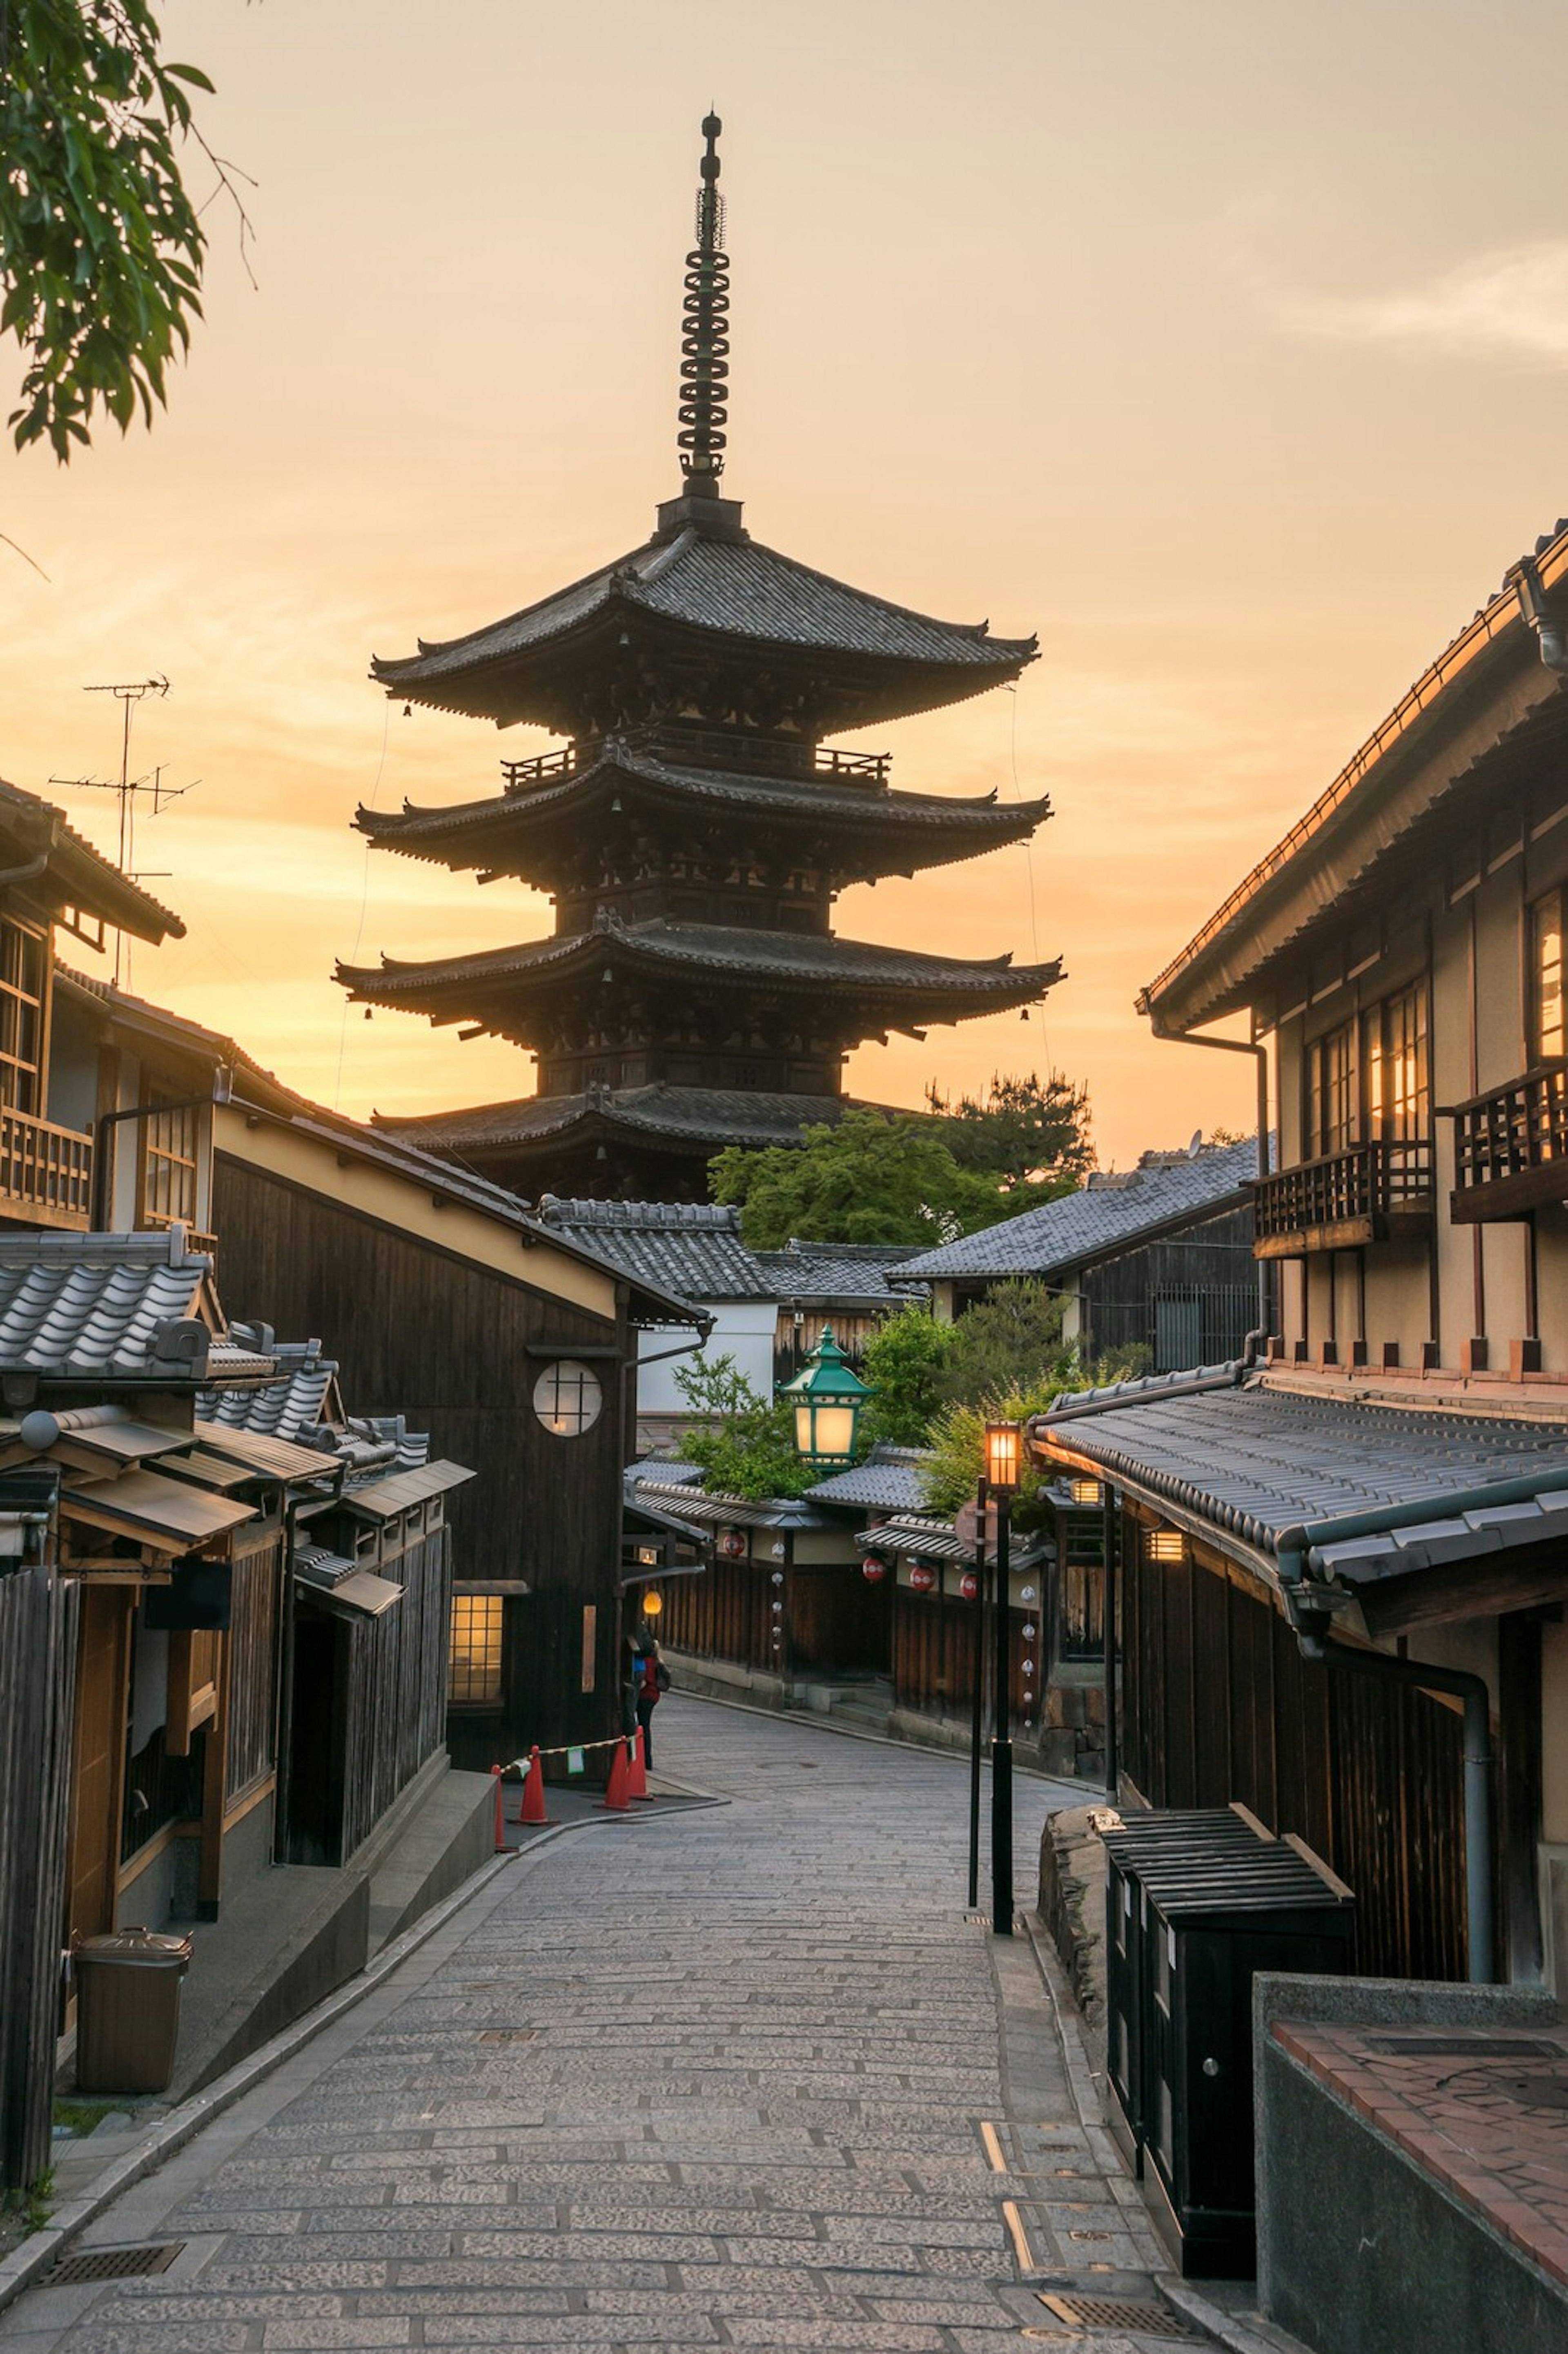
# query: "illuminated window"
[[22, 975], [1164, 1545], [568, 1398], [1086, 1491], [474, 1672], [1394, 1040], [1331, 1091], [169, 1166], [1546, 1011]]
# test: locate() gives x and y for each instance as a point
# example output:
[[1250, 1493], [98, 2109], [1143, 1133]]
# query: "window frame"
[[1546, 905], [22, 1080], [473, 1695]]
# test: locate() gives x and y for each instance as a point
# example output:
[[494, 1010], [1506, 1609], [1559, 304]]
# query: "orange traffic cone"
[[614, 1800], [534, 1790], [637, 1783]]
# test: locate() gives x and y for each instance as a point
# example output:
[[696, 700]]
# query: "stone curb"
[[41, 2250]]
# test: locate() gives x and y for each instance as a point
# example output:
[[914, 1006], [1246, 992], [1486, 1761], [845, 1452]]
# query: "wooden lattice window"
[[1331, 1091], [24, 971], [169, 1158], [474, 1672], [1546, 999], [1394, 1053]]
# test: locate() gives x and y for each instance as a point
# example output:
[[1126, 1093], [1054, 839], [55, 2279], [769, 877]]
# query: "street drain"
[[115, 2263], [506, 2035], [1117, 2312]]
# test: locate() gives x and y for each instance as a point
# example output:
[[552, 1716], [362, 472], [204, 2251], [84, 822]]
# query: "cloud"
[[1508, 304]]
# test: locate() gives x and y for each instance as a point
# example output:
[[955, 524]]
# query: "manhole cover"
[[505, 2035], [1082, 2312], [115, 2263], [1533, 2092]]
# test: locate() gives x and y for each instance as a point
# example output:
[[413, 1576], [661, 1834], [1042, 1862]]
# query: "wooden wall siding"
[[39, 1633], [395, 1687], [1214, 1261], [1217, 1704], [838, 1621], [424, 1335], [934, 1643], [252, 1716], [98, 1767], [725, 1614]]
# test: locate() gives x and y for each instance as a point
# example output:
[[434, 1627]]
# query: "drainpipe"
[[1551, 636], [1260, 1055], [1308, 1608]]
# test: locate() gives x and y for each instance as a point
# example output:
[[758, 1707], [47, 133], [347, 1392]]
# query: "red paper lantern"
[[732, 1544], [872, 1569], [921, 1577], [969, 1586]]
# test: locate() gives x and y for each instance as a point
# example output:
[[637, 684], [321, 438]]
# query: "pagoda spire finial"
[[705, 338]]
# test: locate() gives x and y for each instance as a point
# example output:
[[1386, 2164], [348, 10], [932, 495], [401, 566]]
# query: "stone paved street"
[[727, 2077]]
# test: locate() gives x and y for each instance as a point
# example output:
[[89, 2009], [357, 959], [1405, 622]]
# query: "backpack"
[[661, 1676]]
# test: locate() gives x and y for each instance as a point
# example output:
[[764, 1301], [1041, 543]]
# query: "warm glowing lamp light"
[[1003, 1454], [827, 1395], [1084, 1491], [652, 1603]]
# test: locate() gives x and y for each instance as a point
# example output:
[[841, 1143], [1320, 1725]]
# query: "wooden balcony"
[[1371, 1193], [46, 1172], [707, 748], [1511, 1146]]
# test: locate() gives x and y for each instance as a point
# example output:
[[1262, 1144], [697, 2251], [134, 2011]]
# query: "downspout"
[[1309, 1612], [1260, 1055], [1551, 636]]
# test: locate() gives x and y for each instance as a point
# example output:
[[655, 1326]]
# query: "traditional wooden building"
[[693, 831], [1156, 1259], [1342, 1568]]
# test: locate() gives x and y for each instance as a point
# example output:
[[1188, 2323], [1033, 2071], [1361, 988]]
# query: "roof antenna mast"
[[705, 337]]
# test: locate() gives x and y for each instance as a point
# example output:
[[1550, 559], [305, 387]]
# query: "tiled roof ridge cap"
[[703, 1217], [1144, 1389]]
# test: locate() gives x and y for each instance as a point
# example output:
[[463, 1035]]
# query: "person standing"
[[653, 1683]]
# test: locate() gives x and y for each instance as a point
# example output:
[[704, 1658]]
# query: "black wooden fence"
[[38, 1619]]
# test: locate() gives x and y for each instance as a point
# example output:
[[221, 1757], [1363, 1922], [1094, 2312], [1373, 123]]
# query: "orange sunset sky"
[[1222, 344]]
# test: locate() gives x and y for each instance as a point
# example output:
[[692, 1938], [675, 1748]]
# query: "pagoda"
[[694, 831]]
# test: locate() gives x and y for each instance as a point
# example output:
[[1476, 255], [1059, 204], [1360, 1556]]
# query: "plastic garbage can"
[[128, 2010]]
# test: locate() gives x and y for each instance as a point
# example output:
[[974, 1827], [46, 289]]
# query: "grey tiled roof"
[[849, 1273], [98, 1304], [888, 1481], [82, 876], [690, 1502], [431, 832], [1258, 1460], [694, 1248], [1105, 1217], [720, 1115], [736, 586], [292, 1407], [713, 952]]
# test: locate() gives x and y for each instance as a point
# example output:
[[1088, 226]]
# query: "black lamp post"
[[1003, 1453]]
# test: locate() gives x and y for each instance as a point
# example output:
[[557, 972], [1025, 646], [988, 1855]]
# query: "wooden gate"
[[38, 1617]]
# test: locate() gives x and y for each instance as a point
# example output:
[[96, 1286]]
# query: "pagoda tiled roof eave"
[[719, 953], [681, 1115], [802, 799], [739, 592]]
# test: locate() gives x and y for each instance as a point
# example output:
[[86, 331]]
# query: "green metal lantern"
[[827, 1395]]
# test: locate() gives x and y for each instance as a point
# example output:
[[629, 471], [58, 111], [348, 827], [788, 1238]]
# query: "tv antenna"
[[127, 694]]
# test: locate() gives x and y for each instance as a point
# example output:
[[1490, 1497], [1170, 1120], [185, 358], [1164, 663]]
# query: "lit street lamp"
[[827, 1395], [1003, 1455]]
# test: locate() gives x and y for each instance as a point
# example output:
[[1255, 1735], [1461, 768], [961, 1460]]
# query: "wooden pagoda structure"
[[694, 831]]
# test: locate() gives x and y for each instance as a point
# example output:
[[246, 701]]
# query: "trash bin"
[[128, 2010]]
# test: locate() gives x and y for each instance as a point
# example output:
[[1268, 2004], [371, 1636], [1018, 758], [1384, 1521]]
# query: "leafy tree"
[[958, 1437], [1014, 1335], [906, 1361], [101, 245], [1031, 1136], [743, 1443], [869, 1179]]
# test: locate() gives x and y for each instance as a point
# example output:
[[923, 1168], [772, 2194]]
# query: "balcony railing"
[[46, 1172], [708, 748], [1369, 1193], [1511, 1146]]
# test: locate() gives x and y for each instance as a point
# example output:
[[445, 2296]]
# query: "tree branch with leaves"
[[101, 246]]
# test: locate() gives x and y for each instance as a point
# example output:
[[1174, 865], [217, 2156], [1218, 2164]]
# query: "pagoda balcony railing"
[[1376, 1192], [46, 1172], [707, 748], [1511, 1146]]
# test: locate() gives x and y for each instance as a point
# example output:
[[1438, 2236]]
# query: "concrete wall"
[[1359, 2251]]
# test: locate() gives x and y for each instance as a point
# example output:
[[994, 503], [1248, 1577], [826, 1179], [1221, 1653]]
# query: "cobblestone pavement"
[[735, 2076]]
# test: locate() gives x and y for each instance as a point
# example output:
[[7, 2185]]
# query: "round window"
[[568, 1397]]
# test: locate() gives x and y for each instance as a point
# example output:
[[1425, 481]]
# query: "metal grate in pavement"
[[1087, 2312], [115, 2263], [506, 2035]]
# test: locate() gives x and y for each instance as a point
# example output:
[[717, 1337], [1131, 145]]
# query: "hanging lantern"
[[969, 1586], [777, 1577], [1028, 1594], [922, 1576], [827, 1397], [1029, 1632], [652, 1603], [732, 1544], [872, 1569]]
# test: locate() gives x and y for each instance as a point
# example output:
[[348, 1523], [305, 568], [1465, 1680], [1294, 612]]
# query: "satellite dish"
[[1197, 1144]]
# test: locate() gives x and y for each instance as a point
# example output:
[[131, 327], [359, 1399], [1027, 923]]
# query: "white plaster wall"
[[744, 1330]]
